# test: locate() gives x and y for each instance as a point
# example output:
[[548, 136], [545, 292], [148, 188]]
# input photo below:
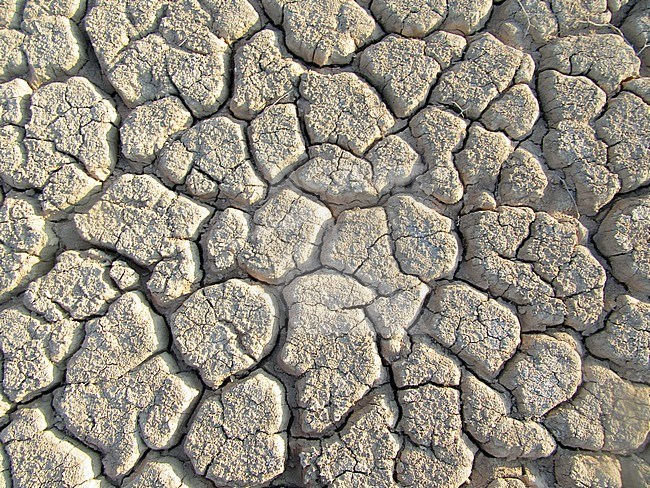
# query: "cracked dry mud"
[[313, 243]]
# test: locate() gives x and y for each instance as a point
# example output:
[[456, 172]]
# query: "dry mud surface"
[[301, 243]]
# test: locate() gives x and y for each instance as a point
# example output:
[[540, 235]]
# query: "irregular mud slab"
[[431, 423], [36, 341], [625, 340], [27, 242], [337, 177], [225, 240], [575, 468], [285, 240], [140, 201], [486, 70], [123, 393], [427, 246], [404, 70], [480, 330], [576, 149], [146, 222], [164, 472], [438, 133], [344, 181], [515, 112], [605, 58], [360, 245], [563, 97], [323, 31], [488, 419], [590, 420], [426, 362], [213, 161], [342, 109], [277, 142], [622, 238], [38, 452], [34, 352], [544, 373], [624, 128], [79, 287], [235, 323], [362, 453], [43, 40], [537, 262], [245, 422], [61, 139], [141, 134], [169, 48], [264, 74], [524, 24], [330, 346]]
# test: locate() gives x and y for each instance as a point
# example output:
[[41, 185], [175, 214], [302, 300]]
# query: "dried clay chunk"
[[330, 346], [147, 127], [515, 112], [168, 48], [141, 219], [36, 448], [583, 468], [27, 241], [226, 328], [35, 343], [42, 40], [264, 74], [623, 237], [426, 362], [60, 139], [545, 372], [434, 443], [237, 435], [605, 58], [164, 472], [625, 128], [123, 393], [323, 31], [486, 70], [276, 142], [367, 437], [286, 237], [625, 340], [225, 240], [360, 244], [212, 159], [418, 18], [155, 217], [404, 70], [487, 418], [574, 147], [553, 279], [333, 114], [438, 133], [34, 351], [79, 286], [483, 332], [343, 180], [607, 414]]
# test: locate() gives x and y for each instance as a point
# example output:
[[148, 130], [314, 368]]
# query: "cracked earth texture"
[[314, 243]]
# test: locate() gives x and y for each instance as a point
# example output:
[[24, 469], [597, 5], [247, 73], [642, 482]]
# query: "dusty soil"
[[387, 243]]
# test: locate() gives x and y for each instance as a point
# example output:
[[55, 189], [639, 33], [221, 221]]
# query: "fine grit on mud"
[[324, 243]]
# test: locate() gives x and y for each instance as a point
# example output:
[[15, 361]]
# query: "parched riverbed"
[[324, 243]]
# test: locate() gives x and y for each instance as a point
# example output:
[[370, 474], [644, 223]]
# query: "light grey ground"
[[347, 243]]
